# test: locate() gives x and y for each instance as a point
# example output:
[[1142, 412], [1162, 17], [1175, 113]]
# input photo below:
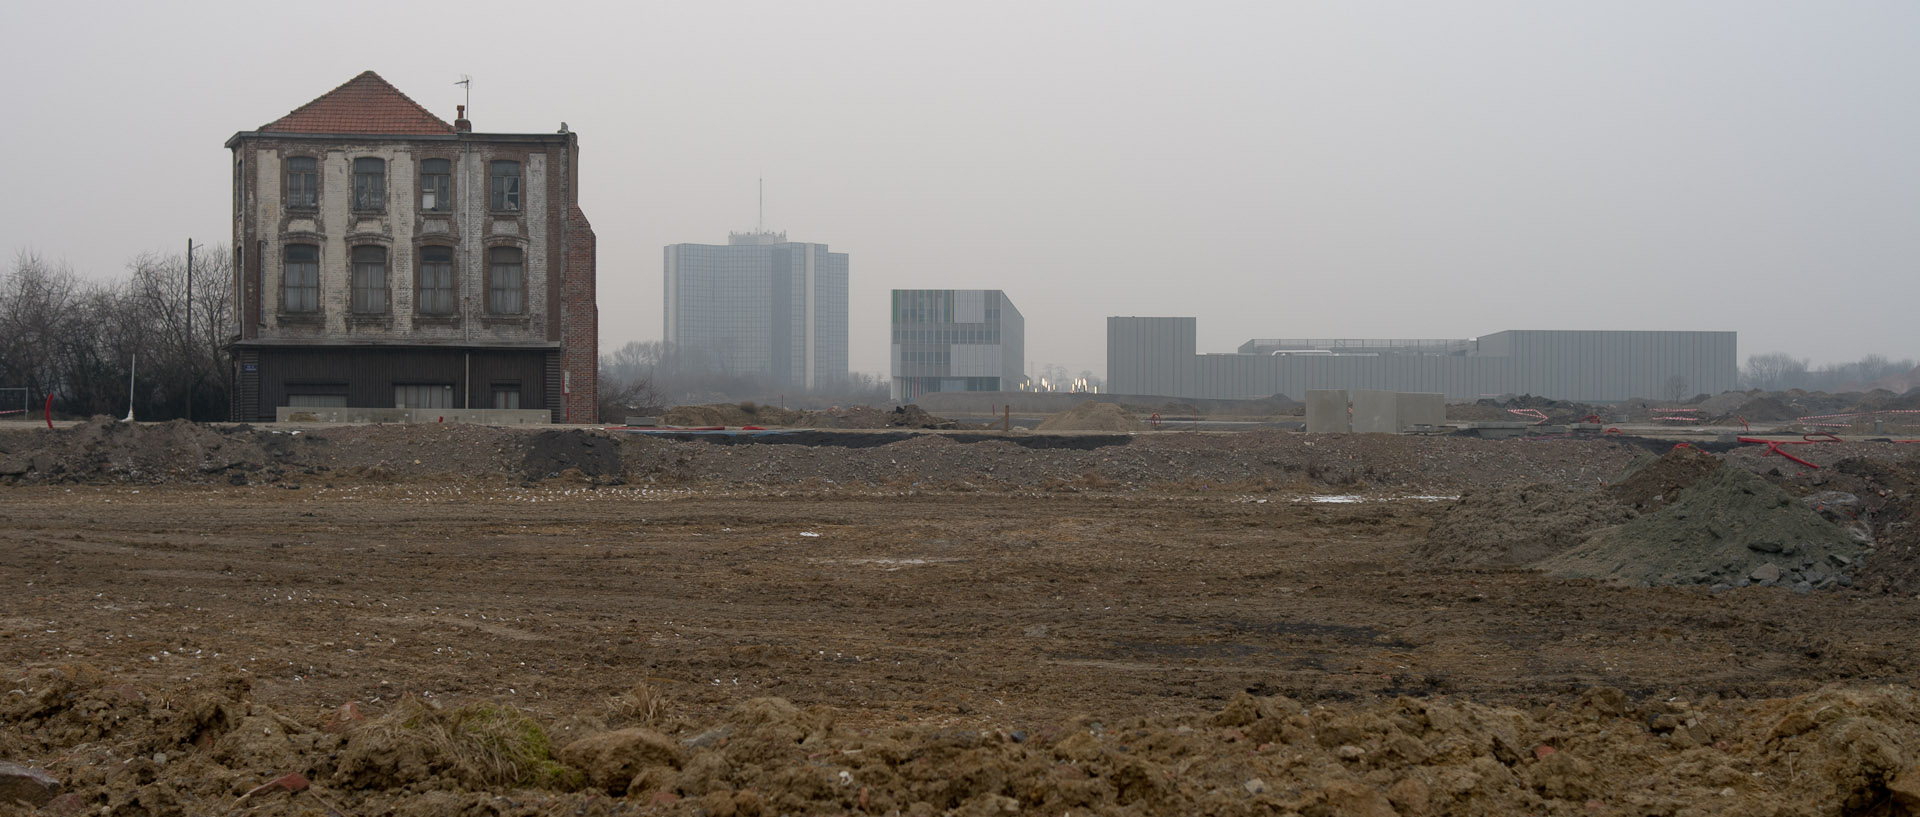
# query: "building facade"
[[759, 306], [947, 340], [386, 258], [1157, 356]]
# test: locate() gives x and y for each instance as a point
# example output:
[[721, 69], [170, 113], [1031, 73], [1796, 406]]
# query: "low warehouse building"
[[1156, 356]]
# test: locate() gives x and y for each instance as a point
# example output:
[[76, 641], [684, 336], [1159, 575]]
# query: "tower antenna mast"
[[466, 81]]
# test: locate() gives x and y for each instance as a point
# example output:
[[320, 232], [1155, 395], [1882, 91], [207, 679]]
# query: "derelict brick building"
[[386, 258]]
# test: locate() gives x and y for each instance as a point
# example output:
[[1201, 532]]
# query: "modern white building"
[[956, 340], [759, 306]]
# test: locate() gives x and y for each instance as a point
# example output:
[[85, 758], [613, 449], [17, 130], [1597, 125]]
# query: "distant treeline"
[[1779, 371], [76, 338]]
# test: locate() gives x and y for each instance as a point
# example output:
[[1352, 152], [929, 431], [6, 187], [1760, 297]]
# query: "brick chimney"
[[460, 123]]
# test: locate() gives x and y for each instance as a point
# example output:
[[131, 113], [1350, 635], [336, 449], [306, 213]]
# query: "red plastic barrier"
[[1773, 447]]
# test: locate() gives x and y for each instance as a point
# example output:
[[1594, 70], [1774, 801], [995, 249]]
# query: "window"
[[506, 281], [436, 185], [316, 401], [303, 183], [506, 397], [369, 184], [370, 280], [301, 283], [423, 395], [504, 180], [435, 279]]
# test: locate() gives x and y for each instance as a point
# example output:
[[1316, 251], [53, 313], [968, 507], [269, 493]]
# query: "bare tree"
[[38, 305], [76, 341], [1772, 371], [1675, 388]]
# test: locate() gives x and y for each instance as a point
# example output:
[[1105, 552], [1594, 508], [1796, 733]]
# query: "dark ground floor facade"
[[268, 377]]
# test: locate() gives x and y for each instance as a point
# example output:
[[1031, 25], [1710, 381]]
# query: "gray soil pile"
[[1884, 496], [751, 414], [730, 414], [133, 452], [1512, 526], [1092, 416], [1764, 408], [1730, 528], [1655, 481], [907, 416]]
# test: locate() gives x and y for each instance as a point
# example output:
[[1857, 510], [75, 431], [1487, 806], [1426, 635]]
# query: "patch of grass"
[[485, 744], [643, 704]]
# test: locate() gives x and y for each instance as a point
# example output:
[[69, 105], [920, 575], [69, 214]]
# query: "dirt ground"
[[691, 634]]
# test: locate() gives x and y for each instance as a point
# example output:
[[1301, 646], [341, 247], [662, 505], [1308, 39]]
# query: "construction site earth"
[[471, 620]]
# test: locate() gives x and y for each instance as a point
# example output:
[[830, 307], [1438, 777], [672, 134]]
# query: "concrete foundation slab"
[[1327, 411], [1376, 411], [1422, 409]]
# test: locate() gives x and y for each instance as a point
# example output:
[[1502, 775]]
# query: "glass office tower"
[[759, 306]]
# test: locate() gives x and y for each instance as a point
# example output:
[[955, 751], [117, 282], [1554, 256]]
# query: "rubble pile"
[[95, 744], [1728, 529]]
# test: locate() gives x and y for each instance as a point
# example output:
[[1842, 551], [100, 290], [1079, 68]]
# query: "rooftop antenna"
[[466, 81], [760, 223]]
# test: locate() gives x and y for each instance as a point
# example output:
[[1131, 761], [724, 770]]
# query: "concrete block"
[[1376, 411], [1327, 411], [1422, 409]]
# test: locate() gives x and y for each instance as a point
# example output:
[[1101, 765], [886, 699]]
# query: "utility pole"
[[190, 355]]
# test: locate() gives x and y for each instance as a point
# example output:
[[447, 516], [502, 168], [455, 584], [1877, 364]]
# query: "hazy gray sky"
[[1276, 169]]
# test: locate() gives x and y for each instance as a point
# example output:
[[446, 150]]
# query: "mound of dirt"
[[1730, 527], [551, 453], [1511, 525], [907, 416], [1766, 408], [1886, 498], [109, 747], [1656, 481], [133, 452], [1092, 416], [730, 414]]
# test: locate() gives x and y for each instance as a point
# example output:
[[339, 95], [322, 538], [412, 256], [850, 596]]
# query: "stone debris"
[[26, 784]]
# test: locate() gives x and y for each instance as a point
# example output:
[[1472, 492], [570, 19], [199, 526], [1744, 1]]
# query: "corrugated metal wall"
[[1154, 356], [366, 375]]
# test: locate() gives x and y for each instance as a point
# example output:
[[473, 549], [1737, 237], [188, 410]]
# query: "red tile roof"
[[365, 104]]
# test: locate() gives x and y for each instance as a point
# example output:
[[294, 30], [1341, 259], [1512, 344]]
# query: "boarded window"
[[303, 183], [302, 278], [436, 185], [423, 395], [504, 180], [317, 401], [436, 281], [370, 280], [369, 184], [506, 281]]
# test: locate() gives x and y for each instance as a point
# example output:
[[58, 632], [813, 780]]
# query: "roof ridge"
[[367, 103]]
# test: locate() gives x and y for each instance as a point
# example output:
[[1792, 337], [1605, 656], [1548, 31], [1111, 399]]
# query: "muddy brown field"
[[989, 610], [1247, 651]]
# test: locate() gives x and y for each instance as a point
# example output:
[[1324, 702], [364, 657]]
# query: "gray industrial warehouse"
[[1156, 356]]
